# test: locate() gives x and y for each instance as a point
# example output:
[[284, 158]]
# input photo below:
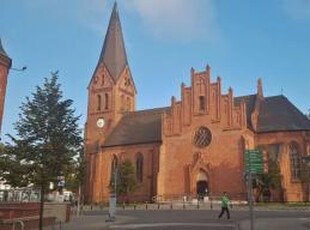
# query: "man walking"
[[224, 204]]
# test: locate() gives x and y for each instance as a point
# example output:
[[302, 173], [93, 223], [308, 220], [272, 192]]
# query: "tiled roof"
[[277, 113], [113, 53], [137, 128]]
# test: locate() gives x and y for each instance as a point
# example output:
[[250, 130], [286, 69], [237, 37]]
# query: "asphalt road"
[[191, 219]]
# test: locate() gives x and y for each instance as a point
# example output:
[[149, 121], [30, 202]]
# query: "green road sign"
[[253, 161]]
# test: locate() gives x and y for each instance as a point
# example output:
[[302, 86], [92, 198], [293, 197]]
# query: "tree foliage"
[[47, 138], [126, 182], [270, 180]]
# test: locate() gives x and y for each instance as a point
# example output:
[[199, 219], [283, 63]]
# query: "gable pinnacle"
[[113, 53]]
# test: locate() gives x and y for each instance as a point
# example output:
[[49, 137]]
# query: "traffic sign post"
[[253, 164], [253, 160]]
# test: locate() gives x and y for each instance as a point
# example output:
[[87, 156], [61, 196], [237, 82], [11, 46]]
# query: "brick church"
[[196, 144]]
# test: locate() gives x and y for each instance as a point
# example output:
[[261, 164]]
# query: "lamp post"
[[19, 69]]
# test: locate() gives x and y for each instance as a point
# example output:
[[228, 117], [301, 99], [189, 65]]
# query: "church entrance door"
[[202, 187]]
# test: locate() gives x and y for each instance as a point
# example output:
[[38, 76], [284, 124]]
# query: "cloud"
[[297, 9], [181, 19]]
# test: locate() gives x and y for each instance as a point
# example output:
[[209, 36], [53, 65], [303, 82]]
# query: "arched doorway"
[[202, 185]]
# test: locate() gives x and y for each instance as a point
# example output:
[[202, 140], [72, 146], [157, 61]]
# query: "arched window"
[[122, 103], [98, 102], [139, 167], [202, 103], [294, 161], [106, 100], [128, 104]]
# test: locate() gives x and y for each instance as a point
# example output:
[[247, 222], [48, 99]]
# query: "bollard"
[[146, 206], [171, 205], [91, 207], [158, 206], [183, 205], [134, 206], [198, 204], [211, 204]]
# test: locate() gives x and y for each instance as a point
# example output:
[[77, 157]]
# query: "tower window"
[[106, 99], [122, 103], [202, 104], [128, 104], [139, 167], [98, 102]]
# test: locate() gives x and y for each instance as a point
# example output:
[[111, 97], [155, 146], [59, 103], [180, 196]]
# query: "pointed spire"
[[113, 53]]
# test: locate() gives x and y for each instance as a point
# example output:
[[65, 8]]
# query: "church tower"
[[111, 93], [5, 65]]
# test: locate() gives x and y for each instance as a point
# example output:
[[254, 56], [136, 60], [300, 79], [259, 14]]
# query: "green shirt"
[[225, 200]]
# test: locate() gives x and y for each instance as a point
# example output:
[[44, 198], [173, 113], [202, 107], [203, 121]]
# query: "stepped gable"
[[138, 127]]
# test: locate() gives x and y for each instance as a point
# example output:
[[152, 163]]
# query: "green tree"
[[126, 183], [76, 176], [270, 180], [48, 138]]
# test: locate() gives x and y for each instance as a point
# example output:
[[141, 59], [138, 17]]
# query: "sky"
[[241, 40]]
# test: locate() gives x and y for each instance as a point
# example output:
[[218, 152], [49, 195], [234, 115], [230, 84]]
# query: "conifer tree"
[[47, 139]]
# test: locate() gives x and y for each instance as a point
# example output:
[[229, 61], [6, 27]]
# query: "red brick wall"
[[5, 64]]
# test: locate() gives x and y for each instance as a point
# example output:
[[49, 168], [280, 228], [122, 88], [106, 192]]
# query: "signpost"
[[253, 160], [253, 164]]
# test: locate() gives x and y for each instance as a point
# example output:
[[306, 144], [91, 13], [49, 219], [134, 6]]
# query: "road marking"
[[158, 225]]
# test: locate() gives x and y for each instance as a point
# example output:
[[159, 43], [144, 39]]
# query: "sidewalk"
[[91, 222]]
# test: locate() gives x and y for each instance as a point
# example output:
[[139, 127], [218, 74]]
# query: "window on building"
[[98, 102], [295, 161], [106, 100], [202, 103], [139, 167], [122, 103], [128, 104]]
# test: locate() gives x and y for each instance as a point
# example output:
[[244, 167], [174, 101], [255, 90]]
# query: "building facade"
[[5, 65], [194, 146]]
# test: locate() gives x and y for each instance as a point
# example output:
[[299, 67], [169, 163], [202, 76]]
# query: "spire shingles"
[[113, 53]]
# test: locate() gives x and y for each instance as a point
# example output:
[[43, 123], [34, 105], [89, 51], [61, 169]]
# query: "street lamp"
[[19, 69]]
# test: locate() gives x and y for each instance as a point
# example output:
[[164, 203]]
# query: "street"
[[191, 219]]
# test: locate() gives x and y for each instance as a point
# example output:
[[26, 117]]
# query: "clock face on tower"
[[100, 122]]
